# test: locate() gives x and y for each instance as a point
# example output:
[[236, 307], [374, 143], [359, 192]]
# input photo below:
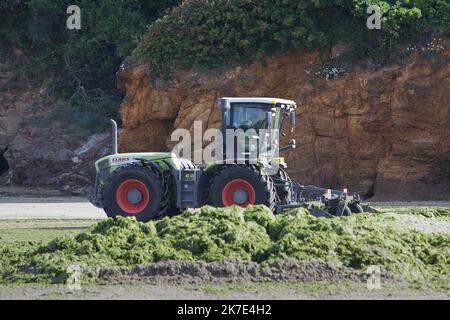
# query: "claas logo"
[[120, 159]]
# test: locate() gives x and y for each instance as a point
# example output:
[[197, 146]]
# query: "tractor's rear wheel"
[[241, 185], [137, 191]]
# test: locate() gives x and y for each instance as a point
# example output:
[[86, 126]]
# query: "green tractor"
[[155, 184]]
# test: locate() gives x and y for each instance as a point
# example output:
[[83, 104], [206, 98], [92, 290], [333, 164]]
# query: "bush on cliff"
[[205, 34]]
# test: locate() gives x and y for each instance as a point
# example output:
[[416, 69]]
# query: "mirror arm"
[[290, 146]]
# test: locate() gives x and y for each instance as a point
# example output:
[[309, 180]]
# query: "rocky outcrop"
[[385, 132], [35, 150]]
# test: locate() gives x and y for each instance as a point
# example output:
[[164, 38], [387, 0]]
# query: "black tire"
[[333, 210], [264, 190], [283, 186], [172, 209], [356, 208], [154, 182], [347, 212]]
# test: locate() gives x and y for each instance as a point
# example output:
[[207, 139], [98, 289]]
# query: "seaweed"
[[217, 234]]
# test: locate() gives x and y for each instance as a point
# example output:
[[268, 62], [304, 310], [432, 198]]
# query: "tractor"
[[152, 185]]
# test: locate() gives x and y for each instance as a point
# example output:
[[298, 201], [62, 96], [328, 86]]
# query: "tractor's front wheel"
[[137, 191], [241, 185]]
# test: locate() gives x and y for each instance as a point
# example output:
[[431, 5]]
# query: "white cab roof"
[[258, 100]]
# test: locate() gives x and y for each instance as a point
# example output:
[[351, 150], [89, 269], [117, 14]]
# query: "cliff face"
[[35, 150], [384, 132]]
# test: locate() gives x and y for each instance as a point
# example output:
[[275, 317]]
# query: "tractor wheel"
[[334, 208], [356, 208], [347, 212], [282, 185], [172, 209], [136, 191], [241, 185]]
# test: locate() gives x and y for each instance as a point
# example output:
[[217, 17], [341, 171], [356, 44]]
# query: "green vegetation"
[[78, 66], [301, 289], [274, 288], [252, 234], [206, 34], [40, 230]]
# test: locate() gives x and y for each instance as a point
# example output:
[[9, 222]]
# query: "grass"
[[237, 290], [28, 230], [318, 290], [277, 288]]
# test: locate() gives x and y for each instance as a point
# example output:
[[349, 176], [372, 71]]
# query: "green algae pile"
[[251, 234]]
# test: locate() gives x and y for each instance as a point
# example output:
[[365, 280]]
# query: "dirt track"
[[48, 208], [269, 291], [79, 208]]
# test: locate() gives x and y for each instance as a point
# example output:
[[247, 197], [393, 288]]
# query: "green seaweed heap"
[[216, 234]]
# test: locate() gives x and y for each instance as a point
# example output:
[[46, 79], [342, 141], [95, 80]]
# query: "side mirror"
[[292, 120], [292, 142]]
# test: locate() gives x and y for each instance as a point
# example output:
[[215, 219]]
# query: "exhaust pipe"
[[114, 137]]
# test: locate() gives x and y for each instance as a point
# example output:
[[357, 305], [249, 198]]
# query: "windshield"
[[249, 116]]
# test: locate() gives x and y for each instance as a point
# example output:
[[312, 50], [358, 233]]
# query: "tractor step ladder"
[[187, 182]]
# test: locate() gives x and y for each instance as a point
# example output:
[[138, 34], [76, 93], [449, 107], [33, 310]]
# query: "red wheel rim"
[[238, 187], [124, 192]]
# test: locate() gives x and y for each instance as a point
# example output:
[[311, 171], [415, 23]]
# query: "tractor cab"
[[258, 115]]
